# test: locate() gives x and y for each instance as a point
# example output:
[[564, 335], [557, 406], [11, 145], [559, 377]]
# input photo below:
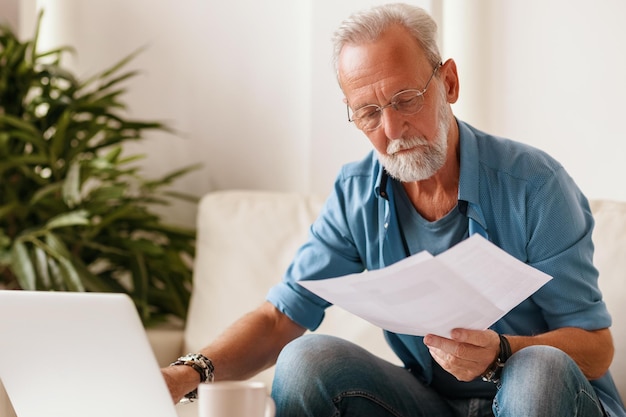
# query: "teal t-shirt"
[[436, 237]]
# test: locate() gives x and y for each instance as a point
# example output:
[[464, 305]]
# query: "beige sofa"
[[247, 238]]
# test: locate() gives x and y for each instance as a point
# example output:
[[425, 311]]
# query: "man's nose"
[[393, 122]]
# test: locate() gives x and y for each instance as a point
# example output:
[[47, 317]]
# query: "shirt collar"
[[469, 177]]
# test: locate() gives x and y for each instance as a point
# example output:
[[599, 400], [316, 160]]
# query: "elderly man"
[[430, 182]]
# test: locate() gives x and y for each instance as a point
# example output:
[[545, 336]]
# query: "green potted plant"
[[75, 212]]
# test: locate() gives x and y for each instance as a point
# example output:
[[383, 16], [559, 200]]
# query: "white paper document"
[[471, 285]]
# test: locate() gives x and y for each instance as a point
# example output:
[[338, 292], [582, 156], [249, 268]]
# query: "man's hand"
[[180, 380], [467, 354]]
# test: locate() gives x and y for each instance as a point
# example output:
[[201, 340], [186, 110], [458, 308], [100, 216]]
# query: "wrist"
[[196, 368], [180, 380], [186, 375], [493, 372]]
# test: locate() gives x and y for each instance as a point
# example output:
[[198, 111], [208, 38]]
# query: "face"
[[410, 147]]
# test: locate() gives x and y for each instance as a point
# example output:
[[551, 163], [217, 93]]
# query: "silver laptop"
[[76, 355]]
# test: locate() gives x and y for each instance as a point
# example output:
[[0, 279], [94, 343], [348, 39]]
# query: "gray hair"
[[368, 25]]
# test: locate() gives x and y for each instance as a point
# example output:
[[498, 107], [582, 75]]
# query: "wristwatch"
[[493, 372]]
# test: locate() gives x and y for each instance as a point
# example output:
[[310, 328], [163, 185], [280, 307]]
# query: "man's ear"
[[450, 79]]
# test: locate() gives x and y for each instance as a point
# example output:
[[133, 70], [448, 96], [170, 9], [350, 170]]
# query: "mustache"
[[397, 145]]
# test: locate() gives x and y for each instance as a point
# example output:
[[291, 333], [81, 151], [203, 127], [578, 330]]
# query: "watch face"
[[488, 377], [493, 373]]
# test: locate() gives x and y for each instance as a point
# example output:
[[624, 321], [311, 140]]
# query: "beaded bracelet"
[[202, 365]]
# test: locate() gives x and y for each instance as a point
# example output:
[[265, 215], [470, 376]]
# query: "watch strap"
[[493, 372]]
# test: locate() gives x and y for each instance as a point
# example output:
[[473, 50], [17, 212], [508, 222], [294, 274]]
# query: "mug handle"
[[270, 407]]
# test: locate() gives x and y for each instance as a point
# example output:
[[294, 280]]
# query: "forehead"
[[373, 71]]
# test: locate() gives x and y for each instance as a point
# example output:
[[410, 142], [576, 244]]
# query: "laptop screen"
[[78, 354]]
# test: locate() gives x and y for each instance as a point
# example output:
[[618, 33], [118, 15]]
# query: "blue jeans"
[[325, 376]]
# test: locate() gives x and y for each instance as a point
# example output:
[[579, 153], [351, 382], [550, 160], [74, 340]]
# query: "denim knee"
[[543, 381], [308, 372], [537, 361], [310, 358], [321, 375]]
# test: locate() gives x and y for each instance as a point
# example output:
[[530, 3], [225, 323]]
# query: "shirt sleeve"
[[329, 252], [560, 226]]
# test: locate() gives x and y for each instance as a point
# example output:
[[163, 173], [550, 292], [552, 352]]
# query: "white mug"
[[235, 399]]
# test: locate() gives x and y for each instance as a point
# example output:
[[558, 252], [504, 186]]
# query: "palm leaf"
[[72, 218], [22, 266]]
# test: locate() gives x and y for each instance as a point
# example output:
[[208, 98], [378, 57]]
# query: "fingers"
[[466, 354], [464, 339], [483, 338], [170, 385], [460, 369], [174, 388]]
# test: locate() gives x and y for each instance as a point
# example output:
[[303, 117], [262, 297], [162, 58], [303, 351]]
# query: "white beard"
[[425, 158]]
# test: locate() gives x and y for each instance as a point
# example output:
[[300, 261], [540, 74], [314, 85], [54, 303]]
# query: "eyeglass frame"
[[392, 103]]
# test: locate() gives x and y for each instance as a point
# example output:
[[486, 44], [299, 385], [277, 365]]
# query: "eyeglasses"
[[407, 102]]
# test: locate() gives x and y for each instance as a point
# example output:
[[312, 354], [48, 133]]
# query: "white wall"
[[9, 14], [250, 84], [230, 76], [549, 73]]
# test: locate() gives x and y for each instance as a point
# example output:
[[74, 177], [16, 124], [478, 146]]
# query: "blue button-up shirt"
[[517, 196]]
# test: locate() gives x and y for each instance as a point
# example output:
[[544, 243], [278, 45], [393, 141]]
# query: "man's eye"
[[367, 113], [405, 102]]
